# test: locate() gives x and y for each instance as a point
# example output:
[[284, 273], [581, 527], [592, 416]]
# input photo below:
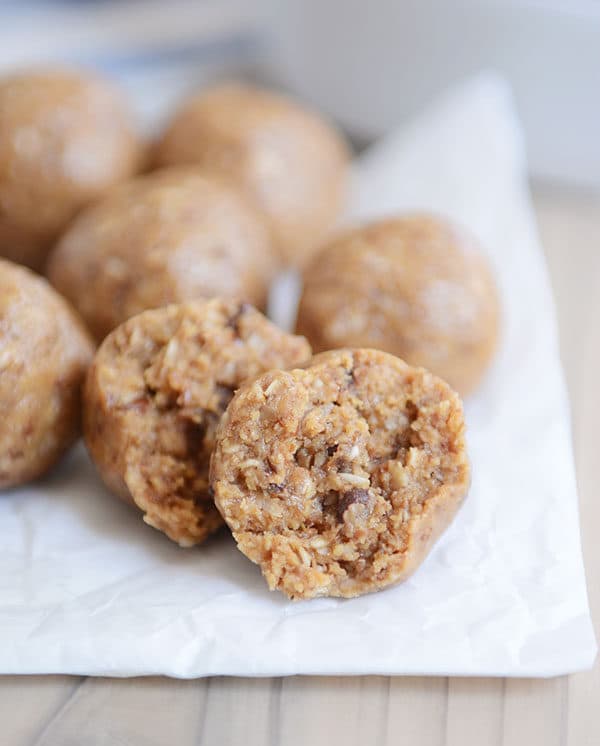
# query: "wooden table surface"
[[378, 711]]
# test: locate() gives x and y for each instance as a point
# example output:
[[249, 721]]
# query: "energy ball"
[[44, 353], [415, 286], [164, 238], [291, 162], [65, 139], [154, 396], [337, 479]]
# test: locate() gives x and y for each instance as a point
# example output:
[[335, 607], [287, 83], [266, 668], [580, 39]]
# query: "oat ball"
[[164, 238], [66, 137], [290, 161], [154, 396], [44, 353], [415, 286], [337, 479]]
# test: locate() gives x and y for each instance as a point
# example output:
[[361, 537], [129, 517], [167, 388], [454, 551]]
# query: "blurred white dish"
[[372, 64]]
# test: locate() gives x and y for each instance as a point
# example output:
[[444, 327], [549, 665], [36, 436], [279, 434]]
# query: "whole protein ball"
[[168, 237], [66, 137], [415, 286], [337, 479], [154, 396], [291, 162], [44, 353]]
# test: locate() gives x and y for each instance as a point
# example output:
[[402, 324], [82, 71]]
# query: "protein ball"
[[337, 479], [44, 353], [65, 138], [291, 162], [415, 286], [154, 396], [164, 238]]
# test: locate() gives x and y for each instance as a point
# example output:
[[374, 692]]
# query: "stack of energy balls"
[[335, 473]]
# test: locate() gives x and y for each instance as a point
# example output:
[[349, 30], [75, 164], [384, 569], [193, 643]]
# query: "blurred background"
[[370, 65]]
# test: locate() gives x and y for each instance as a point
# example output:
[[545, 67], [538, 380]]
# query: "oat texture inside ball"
[[154, 397], [338, 478]]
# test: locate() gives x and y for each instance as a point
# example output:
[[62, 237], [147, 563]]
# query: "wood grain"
[[478, 702], [240, 711], [28, 703], [109, 712], [417, 711], [63, 711]]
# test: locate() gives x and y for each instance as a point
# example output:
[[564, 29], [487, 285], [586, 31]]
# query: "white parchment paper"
[[87, 588]]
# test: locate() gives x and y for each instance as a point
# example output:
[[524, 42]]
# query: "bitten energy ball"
[[154, 396], [337, 479], [414, 286], [168, 237], [44, 353], [65, 138], [290, 162]]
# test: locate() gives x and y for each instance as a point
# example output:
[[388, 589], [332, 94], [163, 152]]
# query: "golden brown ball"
[[337, 479], [291, 162], [44, 354], [171, 236], [65, 138], [416, 286], [154, 396]]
